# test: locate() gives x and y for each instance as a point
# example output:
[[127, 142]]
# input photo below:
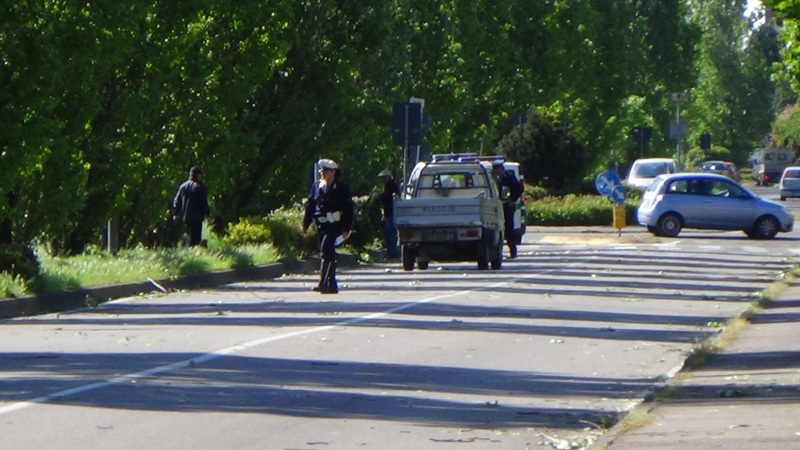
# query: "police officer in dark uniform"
[[330, 207], [511, 190], [390, 191]]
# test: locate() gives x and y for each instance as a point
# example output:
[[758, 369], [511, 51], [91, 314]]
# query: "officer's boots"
[[331, 287], [512, 249], [327, 278]]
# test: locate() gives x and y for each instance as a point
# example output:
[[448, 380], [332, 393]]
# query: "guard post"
[[618, 220]]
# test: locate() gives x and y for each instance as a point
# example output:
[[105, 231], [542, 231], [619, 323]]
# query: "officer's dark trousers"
[[511, 237], [327, 234]]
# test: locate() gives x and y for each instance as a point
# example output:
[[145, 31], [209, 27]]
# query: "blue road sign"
[[618, 194], [605, 182]]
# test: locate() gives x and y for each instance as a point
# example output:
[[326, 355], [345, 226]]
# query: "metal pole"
[[678, 122], [405, 150]]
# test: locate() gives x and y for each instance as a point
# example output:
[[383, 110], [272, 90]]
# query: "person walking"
[[510, 191], [390, 191], [191, 206], [330, 207]]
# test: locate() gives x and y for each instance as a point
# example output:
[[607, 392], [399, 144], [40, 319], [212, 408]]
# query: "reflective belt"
[[331, 217]]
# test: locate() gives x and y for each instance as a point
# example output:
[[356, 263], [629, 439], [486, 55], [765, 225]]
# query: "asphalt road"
[[542, 353]]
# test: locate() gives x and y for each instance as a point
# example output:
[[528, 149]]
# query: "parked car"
[[644, 171], [717, 167], [790, 182], [709, 201], [734, 172], [726, 168]]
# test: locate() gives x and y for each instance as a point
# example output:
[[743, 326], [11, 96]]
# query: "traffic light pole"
[[405, 149]]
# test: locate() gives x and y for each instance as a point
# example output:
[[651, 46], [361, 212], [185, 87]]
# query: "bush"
[[577, 210], [249, 230], [367, 224], [18, 260]]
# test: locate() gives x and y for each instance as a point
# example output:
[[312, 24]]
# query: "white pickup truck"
[[450, 211]]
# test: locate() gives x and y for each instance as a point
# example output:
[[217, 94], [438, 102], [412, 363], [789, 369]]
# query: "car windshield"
[[653, 169], [792, 174]]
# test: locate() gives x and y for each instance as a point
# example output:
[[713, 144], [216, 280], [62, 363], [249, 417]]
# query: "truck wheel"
[[408, 258], [497, 259], [483, 262], [422, 264]]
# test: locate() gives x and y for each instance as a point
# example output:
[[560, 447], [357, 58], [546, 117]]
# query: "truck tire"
[[497, 259], [483, 262], [422, 264], [408, 257]]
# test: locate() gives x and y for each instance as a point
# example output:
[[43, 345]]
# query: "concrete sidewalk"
[[746, 397]]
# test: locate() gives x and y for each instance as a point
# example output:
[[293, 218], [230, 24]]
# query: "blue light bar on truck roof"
[[466, 157], [452, 157], [489, 159]]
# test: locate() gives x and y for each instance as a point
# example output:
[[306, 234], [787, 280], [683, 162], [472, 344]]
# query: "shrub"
[[18, 260], [367, 223], [576, 210], [534, 193], [249, 230]]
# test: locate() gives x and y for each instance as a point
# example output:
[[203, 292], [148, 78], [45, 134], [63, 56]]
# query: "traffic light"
[[705, 141], [641, 135]]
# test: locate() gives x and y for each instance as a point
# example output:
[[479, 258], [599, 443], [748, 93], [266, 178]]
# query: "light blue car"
[[709, 201]]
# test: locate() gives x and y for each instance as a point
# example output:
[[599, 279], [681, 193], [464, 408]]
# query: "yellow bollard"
[[619, 216]]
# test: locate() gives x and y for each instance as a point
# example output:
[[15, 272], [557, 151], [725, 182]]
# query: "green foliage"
[[103, 109], [786, 131], [548, 156], [18, 261], [12, 286], [367, 226], [733, 96], [575, 210], [249, 230], [696, 155], [533, 193], [62, 273]]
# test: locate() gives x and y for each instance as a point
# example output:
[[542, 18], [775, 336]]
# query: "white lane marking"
[[230, 350]]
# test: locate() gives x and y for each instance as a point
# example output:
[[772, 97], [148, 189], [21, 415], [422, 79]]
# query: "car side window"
[[678, 187], [700, 187], [737, 192], [720, 188]]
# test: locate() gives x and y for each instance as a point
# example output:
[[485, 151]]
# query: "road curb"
[[61, 301]]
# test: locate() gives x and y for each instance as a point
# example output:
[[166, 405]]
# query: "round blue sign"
[[618, 194], [606, 182]]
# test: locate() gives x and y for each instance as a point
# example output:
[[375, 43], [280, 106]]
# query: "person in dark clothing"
[[510, 191], [330, 207], [390, 191], [191, 206]]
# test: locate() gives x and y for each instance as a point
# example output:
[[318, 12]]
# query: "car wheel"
[[669, 225], [408, 257], [783, 199], [765, 228]]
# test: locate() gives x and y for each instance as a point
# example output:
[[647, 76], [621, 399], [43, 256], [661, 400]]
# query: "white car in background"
[[644, 171], [790, 182]]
